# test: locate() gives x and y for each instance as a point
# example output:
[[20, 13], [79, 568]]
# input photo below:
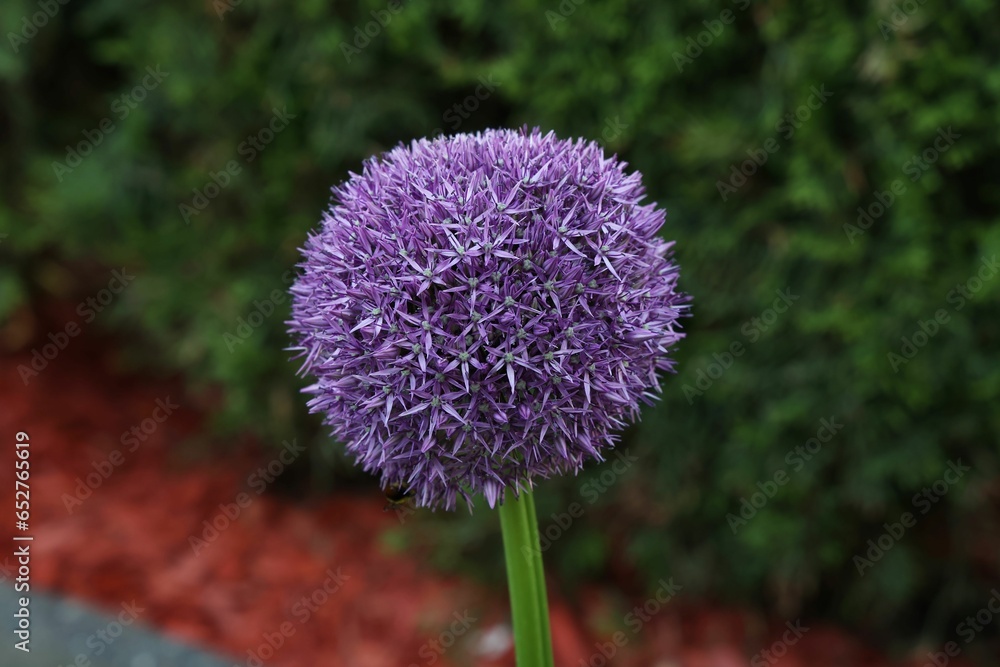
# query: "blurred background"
[[826, 458]]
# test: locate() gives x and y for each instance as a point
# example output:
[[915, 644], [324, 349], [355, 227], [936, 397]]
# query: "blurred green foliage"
[[687, 93]]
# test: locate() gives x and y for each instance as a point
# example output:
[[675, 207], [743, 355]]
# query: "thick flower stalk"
[[483, 310]]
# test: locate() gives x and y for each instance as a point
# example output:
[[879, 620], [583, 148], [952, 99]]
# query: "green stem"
[[540, 590], [526, 581]]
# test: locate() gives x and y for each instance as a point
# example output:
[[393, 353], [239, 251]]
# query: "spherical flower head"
[[485, 309]]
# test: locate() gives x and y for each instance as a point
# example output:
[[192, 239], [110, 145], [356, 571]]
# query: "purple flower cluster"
[[480, 310]]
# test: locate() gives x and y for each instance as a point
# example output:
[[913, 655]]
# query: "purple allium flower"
[[480, 310]]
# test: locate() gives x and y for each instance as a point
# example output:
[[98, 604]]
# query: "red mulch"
[[130, 541]]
